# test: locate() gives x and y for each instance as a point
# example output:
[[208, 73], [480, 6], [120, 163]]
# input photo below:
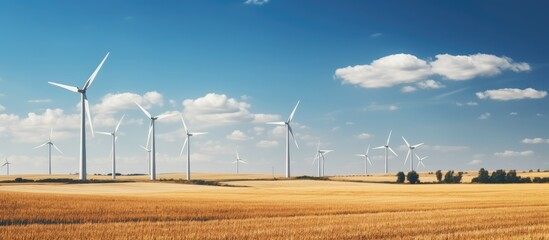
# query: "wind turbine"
[[50, 144], [188, 143], [410, 153], [84, 110], [320, 156], [148, 150], [421, 161], [7, 164], [238, 160], [152, 171], [366, 160], [288, 133], [113, 152], [387, 149]]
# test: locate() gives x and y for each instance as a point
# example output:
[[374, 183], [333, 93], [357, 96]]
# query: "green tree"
[[413, 177], [400, 177], [439, 176]]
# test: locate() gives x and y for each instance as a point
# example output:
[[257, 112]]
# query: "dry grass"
[[300, 209]]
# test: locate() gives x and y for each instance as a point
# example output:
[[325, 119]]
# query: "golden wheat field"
[[274, 209]]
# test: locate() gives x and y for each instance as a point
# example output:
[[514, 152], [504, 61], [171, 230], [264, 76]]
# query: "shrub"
[[439, 176], [413, 177], [400, 177]]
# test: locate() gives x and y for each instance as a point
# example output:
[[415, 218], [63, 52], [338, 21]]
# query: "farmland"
[[259, 209]]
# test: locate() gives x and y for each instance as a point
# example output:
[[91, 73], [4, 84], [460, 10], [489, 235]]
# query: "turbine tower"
[[238, 160], [387, 149], [50, 144], [366, 160], [288, 133], [113, 152], [188, 143], [420, 160], [153, 142], [320, 156], [84, 110], [410, 153], [7, 164]]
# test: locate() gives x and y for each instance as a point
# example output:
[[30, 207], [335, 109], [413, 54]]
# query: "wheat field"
[[266, 209]]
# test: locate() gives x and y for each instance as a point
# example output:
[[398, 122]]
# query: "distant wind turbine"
[[288, 133], [50, 144], [148, 150], [366, 160], [420, 161], [387, 149], [321, 157], [410, 153], [113, 151], [188, 143], [7, 164], [238, 160], [84, 110], [153, 142]]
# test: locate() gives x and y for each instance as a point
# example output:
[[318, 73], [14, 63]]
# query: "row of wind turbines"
[[151, 143]]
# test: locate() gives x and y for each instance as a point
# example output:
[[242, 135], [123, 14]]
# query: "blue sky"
[[467, 78]]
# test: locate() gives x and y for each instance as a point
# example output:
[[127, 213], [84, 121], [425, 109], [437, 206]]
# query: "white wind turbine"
[[188, 143], [238, 160], [50, 144], [387, 149], [7, 164], [84, 110], [410, 153], [420, 160], [113, 152], [152, 171], [288, 133], [320, 156], [366, 160]]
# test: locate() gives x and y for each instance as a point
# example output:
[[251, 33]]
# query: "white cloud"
[[364, 136], [513, 113], [507, 94], [259, 130], [472, 104], [430, 84], [374, 35], [509, 153], [475, 162], [535, 140], [442, 148], [116, 102], [267, 143], [256, 2], [279, 131], [39, 101], [35, 127], [380, 107], [2, 108], [403, 68], [459, 104], [485, 116], [407, 89], [539, 115], [466, 67], [218, 109], [386, 71], [238, 135], [349, 123]]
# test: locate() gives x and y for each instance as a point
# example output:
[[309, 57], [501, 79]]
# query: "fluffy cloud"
[[535, 140], [430, 84], [509, 153], [35, 127], [267, 143], [256, 2], [364, 136], [407, 89], [461, 67], [475, 162], [115, 102], [218, 109], [403, 68], [39, 101], [507, 94], [238, 135], [485, 116], [386, 71]]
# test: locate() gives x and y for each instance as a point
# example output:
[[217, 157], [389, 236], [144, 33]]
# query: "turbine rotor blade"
[[56, 148], [293, 112], [380, 147], [368, 150], [94, 74], [417, 145], [407, 156], [167, 115], [184, 125], [70, 88], [396, 155], [144, 111], [368, 159], [407, 144], [292, 133], [41, 145], [243, 162], [146, 149], [89, 114], [104, 133], [149, 135], [277, 123], [184, 144], [119, 122], [389, 138], [360, 155], [199, 133]]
